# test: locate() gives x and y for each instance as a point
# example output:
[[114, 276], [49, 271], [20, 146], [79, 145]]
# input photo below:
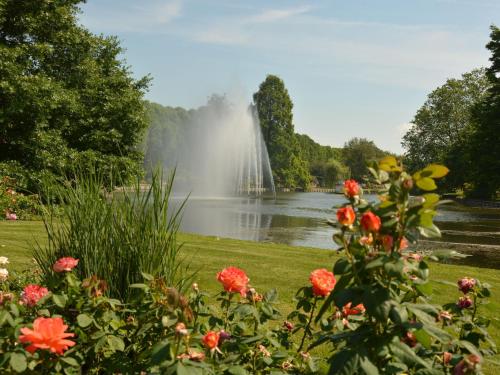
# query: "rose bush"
[[372, 314]]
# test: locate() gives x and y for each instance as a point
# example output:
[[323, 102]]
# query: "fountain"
[[223, 153]]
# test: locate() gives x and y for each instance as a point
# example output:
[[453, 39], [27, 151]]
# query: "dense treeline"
[[66, 97], [459, 126]]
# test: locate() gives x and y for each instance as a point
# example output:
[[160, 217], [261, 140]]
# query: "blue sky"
[[352, 68]]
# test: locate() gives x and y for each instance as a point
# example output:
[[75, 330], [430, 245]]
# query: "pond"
[[299, 219]]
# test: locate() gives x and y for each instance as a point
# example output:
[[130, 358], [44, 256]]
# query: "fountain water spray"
[[224, 153]]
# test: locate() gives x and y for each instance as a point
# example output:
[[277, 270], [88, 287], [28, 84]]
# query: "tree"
[[442, 127], [65, 95], [357, 152], [485, 138], [274, 109]]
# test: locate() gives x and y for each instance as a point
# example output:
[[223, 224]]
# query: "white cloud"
[[146, 17], [272, 15], [168, 11]]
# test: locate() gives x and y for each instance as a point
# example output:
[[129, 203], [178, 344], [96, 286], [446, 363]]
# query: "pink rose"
[[32, 293], [65, 264]]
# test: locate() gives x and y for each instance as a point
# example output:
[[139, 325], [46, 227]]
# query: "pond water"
[[299, 219]]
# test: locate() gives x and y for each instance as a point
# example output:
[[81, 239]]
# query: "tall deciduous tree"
[[65, 95], [357, 152], [485, 140], [442, 127], [274, 108]]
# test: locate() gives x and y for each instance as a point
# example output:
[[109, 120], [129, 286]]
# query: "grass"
[[282, 267]]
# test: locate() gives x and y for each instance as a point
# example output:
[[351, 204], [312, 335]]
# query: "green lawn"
[[282, 267]]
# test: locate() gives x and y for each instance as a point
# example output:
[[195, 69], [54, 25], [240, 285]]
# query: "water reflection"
[[299, 219]]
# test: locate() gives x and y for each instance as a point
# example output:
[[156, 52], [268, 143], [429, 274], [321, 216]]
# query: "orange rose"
[[322, 282], [48, 334], [356, 310], [211, 339], [387, 242], [346, 215], [403, 244], [370, 222], [351, 188], [234, 280]]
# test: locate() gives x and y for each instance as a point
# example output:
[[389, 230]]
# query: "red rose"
[[322, 282], [346, 215], [466, 284], [464, 302], [211, 339], [370, 222], [65, 264], [351, 188], [234, 280]]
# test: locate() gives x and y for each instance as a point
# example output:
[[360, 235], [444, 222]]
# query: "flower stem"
[[306, 328]]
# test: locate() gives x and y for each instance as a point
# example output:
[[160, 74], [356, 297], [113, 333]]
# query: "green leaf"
[[426, 183], [271, 295], [389, 164], [405, 354], [160, 352], [368, 367], [147, 276], [437, 171], [423, 337], [84, 320], [70, 361], [430, 199], [116, 343], [237, 370], [344, 362], [430, 232], [60, 300], [18, 362], [138, 286], [167, 321]]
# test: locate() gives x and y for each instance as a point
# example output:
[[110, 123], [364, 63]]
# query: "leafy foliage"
[[401, 331], [14, 202], [442, 127], [486, 118], [65, 94], [357, 153], [274, 109]]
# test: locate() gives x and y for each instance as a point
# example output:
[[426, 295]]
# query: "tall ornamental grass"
[[118, 236]]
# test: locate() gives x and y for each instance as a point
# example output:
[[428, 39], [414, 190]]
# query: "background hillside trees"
[[65, 95], [356, 154], [442, 127]]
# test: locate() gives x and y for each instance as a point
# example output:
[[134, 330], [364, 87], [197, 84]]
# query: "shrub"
[[114, 235], [14, 205]]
